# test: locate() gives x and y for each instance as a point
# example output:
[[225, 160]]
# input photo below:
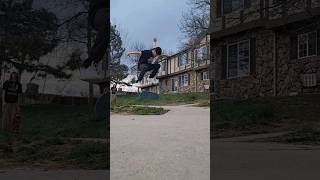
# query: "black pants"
[[148, 67], [101, 25]]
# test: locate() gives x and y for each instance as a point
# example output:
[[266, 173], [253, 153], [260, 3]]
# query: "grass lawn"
[[139, 110], [45, 139], [167, 99], [128, 104], [262, 115]]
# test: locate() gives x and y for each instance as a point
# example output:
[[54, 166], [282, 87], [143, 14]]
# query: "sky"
[[140, 20]]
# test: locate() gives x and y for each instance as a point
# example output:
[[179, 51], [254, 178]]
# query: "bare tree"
[[195, 23]]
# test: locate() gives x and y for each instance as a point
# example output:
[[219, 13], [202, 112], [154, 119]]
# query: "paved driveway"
[[174, 146], [234, 160]]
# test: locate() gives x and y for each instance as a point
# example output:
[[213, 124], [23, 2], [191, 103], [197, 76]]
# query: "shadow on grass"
[[262, 115], [44, 139]]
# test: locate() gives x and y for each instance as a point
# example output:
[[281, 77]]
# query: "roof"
[[266, 23], [186, 49]]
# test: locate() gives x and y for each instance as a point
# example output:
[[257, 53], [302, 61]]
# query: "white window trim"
[[237, 43], [298, 49], [196, 52], [185, 80], [207, 76]]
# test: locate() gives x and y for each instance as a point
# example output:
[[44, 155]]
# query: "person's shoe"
[[87, 63], [137, 81], [151, 77]]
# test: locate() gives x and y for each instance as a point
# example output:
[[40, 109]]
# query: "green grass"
[[45, 139], [166, 99], [261, 115], [139, 110], [62, 120]]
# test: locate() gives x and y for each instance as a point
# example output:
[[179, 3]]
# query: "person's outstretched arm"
[[154, 42], [135, 53]]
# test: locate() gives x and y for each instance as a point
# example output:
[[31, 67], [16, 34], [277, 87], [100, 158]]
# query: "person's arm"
[[154, 42], [135, 53]]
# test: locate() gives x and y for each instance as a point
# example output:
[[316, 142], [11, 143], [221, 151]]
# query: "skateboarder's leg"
[[143, 69], [155, 68]]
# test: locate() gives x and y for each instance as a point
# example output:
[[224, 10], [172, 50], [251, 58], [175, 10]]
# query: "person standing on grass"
[[11, 100], [113, 96]]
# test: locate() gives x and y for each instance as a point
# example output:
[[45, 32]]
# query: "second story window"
[[163, 66], [228, 6], [183, 59], [202, 53], [307, 44]]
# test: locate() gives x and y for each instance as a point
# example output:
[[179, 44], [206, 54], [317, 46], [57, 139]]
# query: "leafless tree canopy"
[[195, 23]]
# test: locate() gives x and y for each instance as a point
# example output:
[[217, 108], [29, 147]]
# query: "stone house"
[[150, 85], [186, 71], [265, 47]]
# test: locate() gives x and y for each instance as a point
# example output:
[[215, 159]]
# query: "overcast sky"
[[140, 20]]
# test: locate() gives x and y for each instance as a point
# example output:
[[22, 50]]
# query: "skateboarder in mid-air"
[[145, 61]]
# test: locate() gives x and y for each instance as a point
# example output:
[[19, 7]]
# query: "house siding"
[[258, 83], [194, 69], [290, 71], [274, 72]]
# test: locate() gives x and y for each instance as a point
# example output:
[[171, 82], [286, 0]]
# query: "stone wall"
[[166, 84], [201, 83], [233, 19], [290, 71], [260, 80]]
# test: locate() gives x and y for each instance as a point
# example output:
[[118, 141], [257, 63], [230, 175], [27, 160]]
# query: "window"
[[233, 5], [238, 59], [164, 67], [184, 80], [183, 59], [307, 44], [202, 53], [205, 75], [173, 85]]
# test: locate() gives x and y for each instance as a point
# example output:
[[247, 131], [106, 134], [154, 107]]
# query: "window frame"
[[316, 47], [207, 75], [241, 7], [238, 59], [186, 54], [173, 85], [185, 80], [200, 52]]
